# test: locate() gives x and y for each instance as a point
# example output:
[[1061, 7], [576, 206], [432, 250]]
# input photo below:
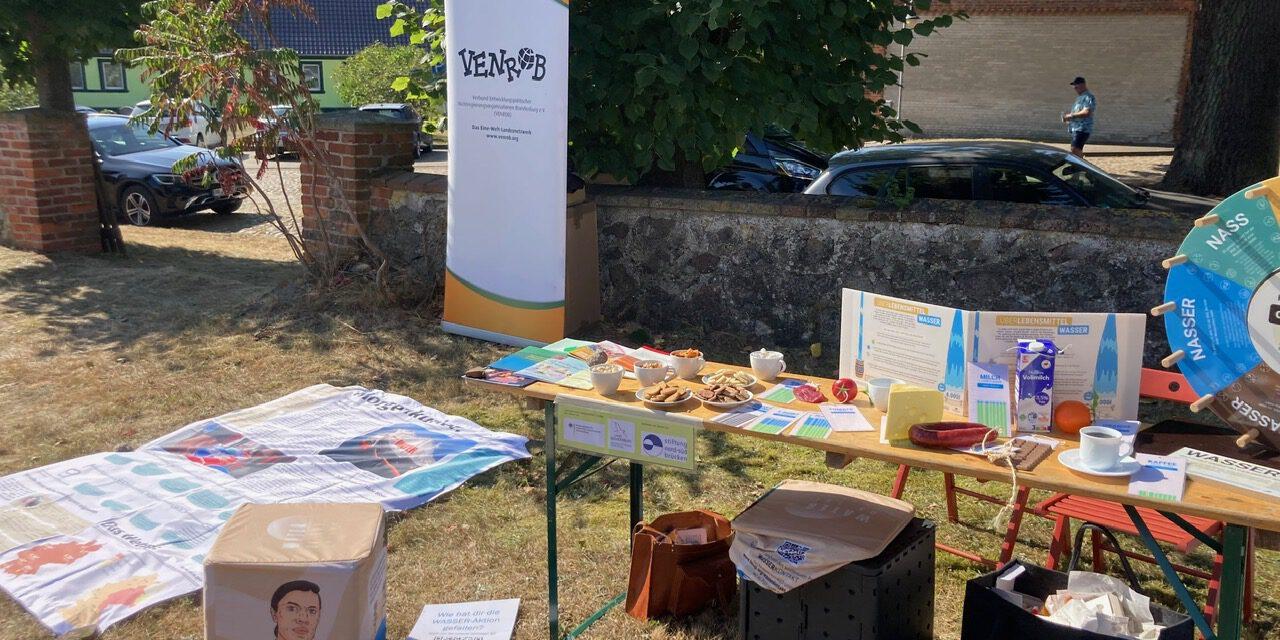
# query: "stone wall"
[[771, 267], [1004, 71], [47, 197], [409, 226]]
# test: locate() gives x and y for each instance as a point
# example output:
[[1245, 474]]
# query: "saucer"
[[1127, 466]]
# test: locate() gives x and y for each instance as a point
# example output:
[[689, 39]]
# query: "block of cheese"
[[908, 405]]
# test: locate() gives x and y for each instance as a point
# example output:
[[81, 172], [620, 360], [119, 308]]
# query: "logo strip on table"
[[617, 431]]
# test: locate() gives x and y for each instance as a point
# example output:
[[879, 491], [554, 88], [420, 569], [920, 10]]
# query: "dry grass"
[[97, 352]]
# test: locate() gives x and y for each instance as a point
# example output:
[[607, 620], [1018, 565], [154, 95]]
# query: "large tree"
[[1229, 130], [667, 89], [39, 38]]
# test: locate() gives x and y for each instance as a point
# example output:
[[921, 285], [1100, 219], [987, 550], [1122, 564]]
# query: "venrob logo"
[[490, 64]]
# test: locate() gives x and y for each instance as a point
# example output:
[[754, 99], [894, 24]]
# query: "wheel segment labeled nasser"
[[1222, 312]]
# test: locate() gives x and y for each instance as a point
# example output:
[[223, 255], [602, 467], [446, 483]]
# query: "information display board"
[[636, 434]]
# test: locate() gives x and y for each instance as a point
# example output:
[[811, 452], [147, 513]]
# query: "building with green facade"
[[340, 29]]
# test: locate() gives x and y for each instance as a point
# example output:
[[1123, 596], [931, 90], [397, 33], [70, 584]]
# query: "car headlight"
[[797, 169], [167, 178]]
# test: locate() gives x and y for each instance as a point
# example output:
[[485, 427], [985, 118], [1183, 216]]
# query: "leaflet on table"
[[740, 416], [814, 426], [1160, 478], [563, 370], [775, 421], [1237, 473], [845, 417], [783, 392], [1100, 357], [523, 359], [567, 345], [916, 342], [506, 378]]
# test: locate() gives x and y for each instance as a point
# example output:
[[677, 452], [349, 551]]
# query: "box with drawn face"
[[298, 572]]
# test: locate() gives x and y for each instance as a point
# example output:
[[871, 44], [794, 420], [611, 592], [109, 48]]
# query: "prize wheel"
[[1222, 311]]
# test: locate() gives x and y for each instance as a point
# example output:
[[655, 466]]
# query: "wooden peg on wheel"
[[1201, 403], [1244, 440], [1169, 263], [1207, 220], [1173, 358], [1164, 308]]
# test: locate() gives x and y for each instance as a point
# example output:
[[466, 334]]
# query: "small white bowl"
[[688, 393]]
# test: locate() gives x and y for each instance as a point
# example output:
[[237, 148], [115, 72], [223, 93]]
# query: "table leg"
[[1231, 596], [1171, 576], [637, 495], [553, 576]]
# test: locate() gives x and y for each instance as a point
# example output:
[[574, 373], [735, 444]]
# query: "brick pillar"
[[47, 197], [360, 147]]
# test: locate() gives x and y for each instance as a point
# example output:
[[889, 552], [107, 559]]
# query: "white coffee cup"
[[688, 368], [767, 364], [606, 378], [1101, 448], [656, 372], [878, 391]]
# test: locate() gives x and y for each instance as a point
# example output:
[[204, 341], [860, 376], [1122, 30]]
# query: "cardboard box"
[[581, 266], [298, 572]]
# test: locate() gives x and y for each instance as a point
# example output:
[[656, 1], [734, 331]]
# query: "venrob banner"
[[90, 541], [508, 135]]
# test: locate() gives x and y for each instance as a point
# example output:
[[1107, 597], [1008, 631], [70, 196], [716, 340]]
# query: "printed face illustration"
[[297, 616]]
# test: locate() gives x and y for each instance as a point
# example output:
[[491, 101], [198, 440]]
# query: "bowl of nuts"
[[664, 395], [724, 396]]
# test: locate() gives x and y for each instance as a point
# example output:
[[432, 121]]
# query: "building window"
[[77, 76], [112, 76], [312, 77]]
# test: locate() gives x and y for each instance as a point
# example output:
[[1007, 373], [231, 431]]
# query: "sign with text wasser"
[[508, 132], [633, 433]]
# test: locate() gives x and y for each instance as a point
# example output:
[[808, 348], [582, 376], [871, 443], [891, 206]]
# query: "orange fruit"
[[1071, 416]]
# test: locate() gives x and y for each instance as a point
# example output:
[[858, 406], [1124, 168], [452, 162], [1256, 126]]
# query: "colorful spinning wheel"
[[1222, 311]]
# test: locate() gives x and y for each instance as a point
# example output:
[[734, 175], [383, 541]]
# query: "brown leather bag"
[[680, 579]]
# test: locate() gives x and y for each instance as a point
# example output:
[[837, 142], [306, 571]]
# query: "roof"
[[340, 28], [959, 151]]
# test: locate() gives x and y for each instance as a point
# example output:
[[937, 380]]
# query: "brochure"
[[506, 378], [567, 345], [783, 392], [814, 426], [487, 620], [845, 417], [1237, 473], [740, 416], [563, 370], [1160, 478], [775, 421], [522, 359]]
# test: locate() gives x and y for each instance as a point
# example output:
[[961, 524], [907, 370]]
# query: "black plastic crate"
[[888, 597]]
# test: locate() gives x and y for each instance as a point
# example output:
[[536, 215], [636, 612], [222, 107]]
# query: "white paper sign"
[[486, 620]]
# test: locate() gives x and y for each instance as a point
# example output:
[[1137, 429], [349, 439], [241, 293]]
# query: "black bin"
[[888, 597]]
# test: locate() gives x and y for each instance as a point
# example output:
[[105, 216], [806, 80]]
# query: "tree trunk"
[[1229, 131], [52, 69]]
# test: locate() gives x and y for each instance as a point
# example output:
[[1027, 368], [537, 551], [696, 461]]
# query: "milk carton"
[[1033, 384]]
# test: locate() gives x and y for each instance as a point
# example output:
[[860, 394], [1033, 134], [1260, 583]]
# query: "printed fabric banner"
[[508, 141], [91, 541]]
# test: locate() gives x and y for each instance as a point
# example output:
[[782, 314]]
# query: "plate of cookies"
[[664, 394], [730, 376], [724, 396]]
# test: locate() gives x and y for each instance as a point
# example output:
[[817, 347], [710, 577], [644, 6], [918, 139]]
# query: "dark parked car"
[[775, 162], [982, 170], [138, 177], [422, 141]]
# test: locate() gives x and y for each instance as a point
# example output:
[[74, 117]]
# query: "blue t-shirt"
[[1083, 124]]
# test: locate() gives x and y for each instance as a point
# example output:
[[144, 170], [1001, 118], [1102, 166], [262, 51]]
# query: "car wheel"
[[226, 208], [139, 206], [200, 140]]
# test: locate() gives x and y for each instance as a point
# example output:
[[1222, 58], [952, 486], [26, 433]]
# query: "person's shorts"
[[1079, 138]]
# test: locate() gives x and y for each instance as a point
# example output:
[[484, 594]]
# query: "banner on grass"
[[508, 136], [93, 540]]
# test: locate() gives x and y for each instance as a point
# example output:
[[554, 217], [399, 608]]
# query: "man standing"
[[1080, 119]]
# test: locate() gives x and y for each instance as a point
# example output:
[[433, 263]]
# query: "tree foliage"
[[660, 86], [33, 32], [15, 95], [368, 76]]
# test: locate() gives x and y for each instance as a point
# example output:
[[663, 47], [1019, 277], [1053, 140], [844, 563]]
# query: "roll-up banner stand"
[[508, 135]]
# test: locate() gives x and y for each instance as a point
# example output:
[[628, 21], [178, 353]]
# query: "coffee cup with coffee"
[[767, 364], [1102, 448]]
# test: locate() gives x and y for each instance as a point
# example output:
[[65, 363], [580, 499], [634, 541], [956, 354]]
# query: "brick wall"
[[358, 147], [47, 197], [1004, 72]]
